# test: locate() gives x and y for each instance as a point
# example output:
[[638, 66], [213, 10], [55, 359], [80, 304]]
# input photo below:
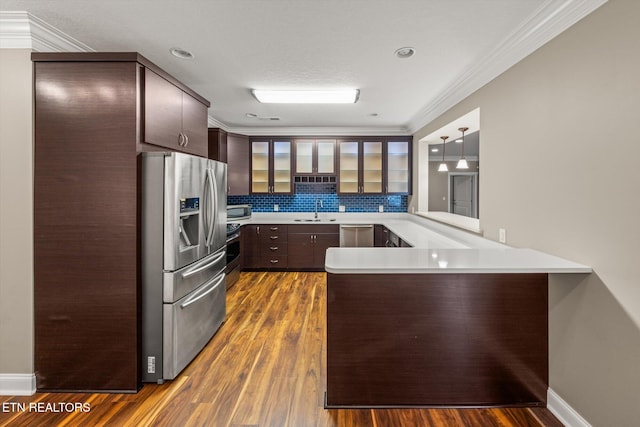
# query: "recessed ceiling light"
[[434, 150], [347, 96], [405, 52], [458, 141], [181, 53], [251, 115], [373, 115]]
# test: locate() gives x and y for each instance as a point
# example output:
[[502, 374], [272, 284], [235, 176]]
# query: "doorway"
[[463, 193]]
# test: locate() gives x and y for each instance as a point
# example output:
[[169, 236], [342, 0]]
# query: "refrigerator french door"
[[183, 259]]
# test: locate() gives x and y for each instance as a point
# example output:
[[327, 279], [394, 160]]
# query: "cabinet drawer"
[[314, 228], [273, 249], [272, 233], [276, 261]]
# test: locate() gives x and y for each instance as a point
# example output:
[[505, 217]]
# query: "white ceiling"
[[304, 44]]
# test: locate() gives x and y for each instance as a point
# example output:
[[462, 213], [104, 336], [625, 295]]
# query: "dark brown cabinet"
[[173, 118], [380, 236], [271, 160], [265, 246], [217, 144], [374, 165], [308, 245], [86, 218], [233, 149]]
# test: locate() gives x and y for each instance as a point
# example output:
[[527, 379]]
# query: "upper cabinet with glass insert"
[[271, 166], [360, 167], [398, 166], [372, 166], [315, 156]]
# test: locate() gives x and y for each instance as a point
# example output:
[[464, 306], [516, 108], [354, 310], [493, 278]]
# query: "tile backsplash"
[[306, 194]]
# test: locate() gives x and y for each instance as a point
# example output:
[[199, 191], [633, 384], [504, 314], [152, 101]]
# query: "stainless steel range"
[[183, 259]]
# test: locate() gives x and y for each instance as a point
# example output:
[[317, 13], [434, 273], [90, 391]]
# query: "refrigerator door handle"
[[205, 210], [208, 208], [214, 284], [204, 267], [214, 209]]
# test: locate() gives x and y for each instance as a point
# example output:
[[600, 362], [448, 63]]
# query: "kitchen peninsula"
[[457, 320]]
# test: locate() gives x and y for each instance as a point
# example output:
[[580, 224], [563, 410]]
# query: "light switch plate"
[[276, 208], [341, 208], [502, 235], [380, 208]]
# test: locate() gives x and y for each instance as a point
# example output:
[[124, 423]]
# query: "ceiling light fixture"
[[181, 53], [443, 166], [462, 163], [405, 52], [255, 116], [346, 96]]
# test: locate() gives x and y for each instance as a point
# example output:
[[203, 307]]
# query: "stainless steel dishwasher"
[[356, 235]]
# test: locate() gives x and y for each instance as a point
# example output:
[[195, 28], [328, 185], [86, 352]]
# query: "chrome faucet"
[[315, 208]]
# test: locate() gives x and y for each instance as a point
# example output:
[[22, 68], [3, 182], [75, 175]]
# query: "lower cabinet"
[[308, 245], [291, 247], [265, 246]]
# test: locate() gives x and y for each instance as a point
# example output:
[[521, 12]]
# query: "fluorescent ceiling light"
[[348, 96]]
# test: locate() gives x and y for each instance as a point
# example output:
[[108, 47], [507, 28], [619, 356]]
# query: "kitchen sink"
[[313, 220]]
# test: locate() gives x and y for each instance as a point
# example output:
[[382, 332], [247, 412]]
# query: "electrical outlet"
[[276, 208], [380, 208], [502, 235], [341, 208]]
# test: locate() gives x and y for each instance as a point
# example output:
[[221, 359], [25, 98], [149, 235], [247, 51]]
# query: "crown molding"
[[307, 130], [22, 30], [547, 22], [319, 131]]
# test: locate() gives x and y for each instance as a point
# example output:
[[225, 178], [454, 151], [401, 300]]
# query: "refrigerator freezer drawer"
[[177, 284], [190, 323]]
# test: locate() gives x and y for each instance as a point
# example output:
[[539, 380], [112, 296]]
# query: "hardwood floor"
[[264, 367]]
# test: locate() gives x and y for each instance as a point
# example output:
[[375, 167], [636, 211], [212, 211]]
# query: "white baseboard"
[[17, 384], [564, 412]]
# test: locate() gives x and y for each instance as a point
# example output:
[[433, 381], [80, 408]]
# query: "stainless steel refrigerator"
[[184, 215]]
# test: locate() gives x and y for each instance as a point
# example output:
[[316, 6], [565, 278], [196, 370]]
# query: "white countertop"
[[437, 248]]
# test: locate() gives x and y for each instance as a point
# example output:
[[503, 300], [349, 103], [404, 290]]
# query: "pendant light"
[[462, 163], [443, 166]]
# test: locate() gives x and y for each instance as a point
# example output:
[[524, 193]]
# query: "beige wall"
[[16, 212], [560, 157]]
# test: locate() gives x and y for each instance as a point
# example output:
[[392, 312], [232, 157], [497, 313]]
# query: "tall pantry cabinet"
[[94, 114]]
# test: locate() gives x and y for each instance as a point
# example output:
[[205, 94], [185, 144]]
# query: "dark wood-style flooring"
[[264, 367]]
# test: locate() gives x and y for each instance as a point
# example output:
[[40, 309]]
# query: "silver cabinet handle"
[[273, 228], [356, 226], [273, 261], [273, 248], [258, 230], [186, 140], [273, 237], [180, 139]]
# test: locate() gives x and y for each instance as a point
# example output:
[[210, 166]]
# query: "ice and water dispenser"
[[189, 222]]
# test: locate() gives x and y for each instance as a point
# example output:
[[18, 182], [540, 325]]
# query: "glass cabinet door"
[[260, 166], [281, 167], [349, 167], [304, 156], [398, 167], [325, 149], [372, 167]]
